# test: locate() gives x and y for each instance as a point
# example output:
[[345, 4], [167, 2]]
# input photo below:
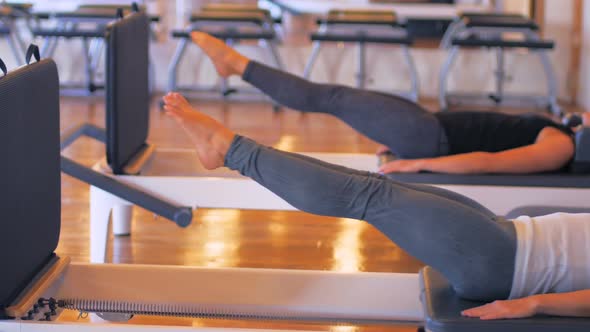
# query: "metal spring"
[[189, 311]]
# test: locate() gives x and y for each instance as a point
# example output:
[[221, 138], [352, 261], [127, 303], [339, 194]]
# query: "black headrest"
[[127, 89], [29, 174], [442, 311], [581, 162]]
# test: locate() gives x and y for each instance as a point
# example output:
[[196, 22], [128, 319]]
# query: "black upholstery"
[[535, 211], [127, 89], [442, 310], [229, 34], [91, 12], [98, 33], [552, 180], [4, 30], [511, 21], [29, 174], [230, 16], [530, 44], [361, 38]]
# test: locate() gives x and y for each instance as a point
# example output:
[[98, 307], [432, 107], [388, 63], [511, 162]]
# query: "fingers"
[[477, 311]]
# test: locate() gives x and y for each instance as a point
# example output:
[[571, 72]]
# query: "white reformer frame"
[[297, 295], [221, 189]]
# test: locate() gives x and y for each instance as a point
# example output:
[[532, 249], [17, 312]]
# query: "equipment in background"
[[87, 23], [497, 32], [10, 15], [232, 23], [365, 27]]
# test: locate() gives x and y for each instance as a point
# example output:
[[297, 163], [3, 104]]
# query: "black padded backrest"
[[442, 310], [29, 174], [127, 90]]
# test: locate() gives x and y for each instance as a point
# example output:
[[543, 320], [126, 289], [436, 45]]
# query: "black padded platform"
[[530, 44], [552, 180], [90, 12], [231, 34], [360, 38], [509, 21], [237, 7], [364, 17], [4, 30], [258, 18], [29, 174], [442, 309], [98, 33], [127, 89]]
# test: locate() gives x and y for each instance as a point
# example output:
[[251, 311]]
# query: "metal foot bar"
[[182, 216]]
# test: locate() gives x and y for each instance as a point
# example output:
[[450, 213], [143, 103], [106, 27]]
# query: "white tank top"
[[552, 255]]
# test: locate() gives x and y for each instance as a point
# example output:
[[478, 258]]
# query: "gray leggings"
[[466, 242], [402, 125]]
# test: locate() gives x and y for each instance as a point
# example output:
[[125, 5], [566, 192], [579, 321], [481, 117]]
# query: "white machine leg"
[[121, 217], [101, 205]]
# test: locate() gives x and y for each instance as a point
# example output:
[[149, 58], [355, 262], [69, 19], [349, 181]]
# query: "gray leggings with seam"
[[406, 128], [466, 242]]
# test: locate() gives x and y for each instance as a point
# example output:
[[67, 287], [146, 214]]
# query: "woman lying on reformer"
[[443, 142], [485, 257]]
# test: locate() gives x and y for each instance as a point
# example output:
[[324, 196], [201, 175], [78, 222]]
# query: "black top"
[[492, 132]]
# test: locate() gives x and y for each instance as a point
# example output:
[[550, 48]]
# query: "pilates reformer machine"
[[497, 32], [86, 23], [365, 27], [40, 290], [232, 23], [176, 176], [10, 14]]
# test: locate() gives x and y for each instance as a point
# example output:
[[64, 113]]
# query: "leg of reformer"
[[444, 76], [452, 31], [224, 81], [122, 215], [360, 65], [173, 70], [101, 204], [551, 82], [15, 51], [312, 59], [500, 75], [272, 47], [414, 88], [89, 77]]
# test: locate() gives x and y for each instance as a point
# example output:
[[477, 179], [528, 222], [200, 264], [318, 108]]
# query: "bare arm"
[[552, 150], [572, 304]]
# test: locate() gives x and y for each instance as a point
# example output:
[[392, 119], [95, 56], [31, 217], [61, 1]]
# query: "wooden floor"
[[234, 238]]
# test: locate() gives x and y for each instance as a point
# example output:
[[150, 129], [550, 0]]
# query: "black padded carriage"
[[30, 175], [127, 89], [442, 310]]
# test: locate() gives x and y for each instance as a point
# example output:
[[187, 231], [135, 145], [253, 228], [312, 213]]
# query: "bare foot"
[[227, 61], [211, 138]]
